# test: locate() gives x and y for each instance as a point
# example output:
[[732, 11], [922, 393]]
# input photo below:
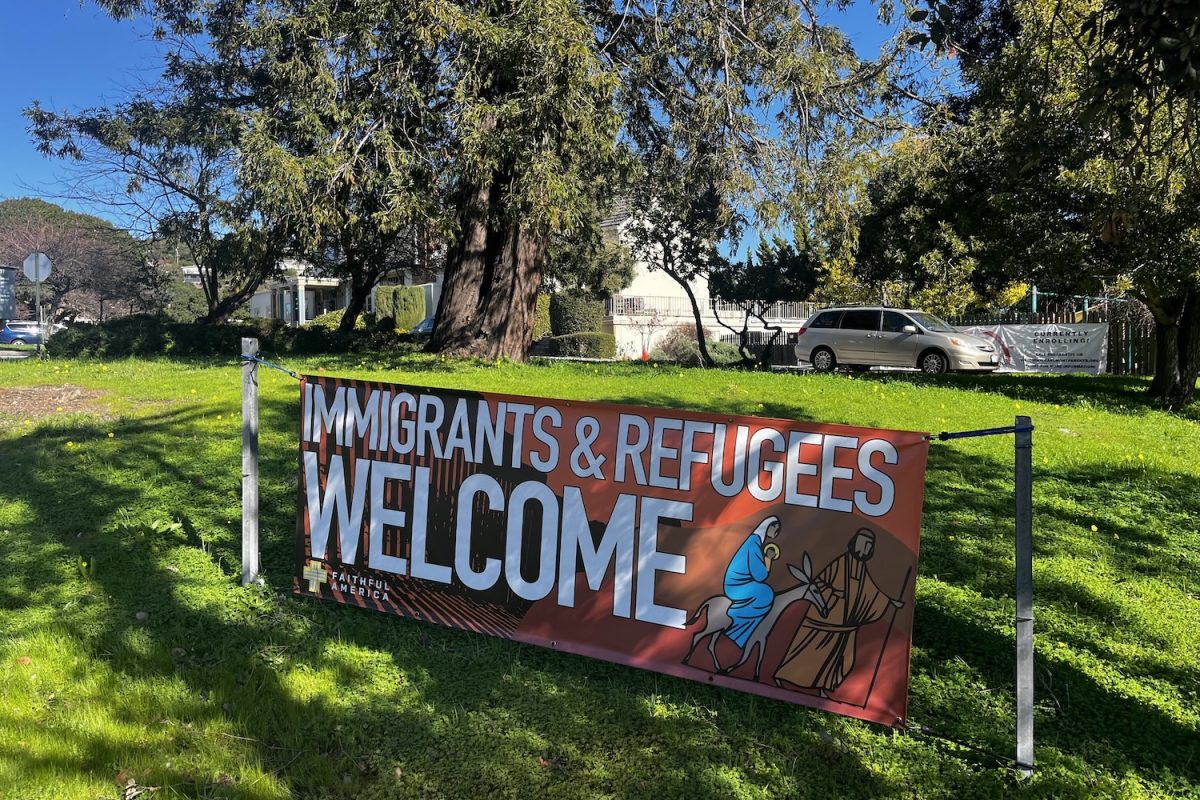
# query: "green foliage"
[[584, 345], [588, 260], [575, 313], [541, 326], [143, 335], [679, 346], [403, 304], [1071, 165], [777, 271], [331, 320]]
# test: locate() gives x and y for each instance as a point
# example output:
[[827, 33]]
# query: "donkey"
[[718, 618]]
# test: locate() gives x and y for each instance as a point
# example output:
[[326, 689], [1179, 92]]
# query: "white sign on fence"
[[1048, 348]]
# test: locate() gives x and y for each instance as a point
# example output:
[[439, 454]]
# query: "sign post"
[[249, 461], [37, 269]]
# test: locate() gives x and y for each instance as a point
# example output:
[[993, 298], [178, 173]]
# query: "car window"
[[826, 319], [861, 320], [932, 323], [894, 322]]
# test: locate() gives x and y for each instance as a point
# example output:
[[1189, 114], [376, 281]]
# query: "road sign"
[[37, 267]]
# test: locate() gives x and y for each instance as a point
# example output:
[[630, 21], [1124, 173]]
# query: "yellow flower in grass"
[[111, 434], [1095, 529], [70, 445]]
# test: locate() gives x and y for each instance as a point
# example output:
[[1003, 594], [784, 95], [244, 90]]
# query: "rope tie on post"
[[245, 359]]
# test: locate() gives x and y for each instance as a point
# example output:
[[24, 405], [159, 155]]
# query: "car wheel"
[[17, 341], [933, 363], [823, 360]]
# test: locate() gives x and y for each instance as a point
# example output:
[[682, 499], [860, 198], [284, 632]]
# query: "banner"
[[764, 555], [1048, 348]]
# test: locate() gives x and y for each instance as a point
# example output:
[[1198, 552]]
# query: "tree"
[[678, 232], [489, 122], [538, 133], [781, 272], [738, 118], [168, 161], [94, 262], [590, 260], [501, 124], [1089, 176]]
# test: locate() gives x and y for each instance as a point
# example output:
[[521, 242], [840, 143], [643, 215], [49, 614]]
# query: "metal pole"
[[249, 463], [1035, 299], [37, 302], [1024, 558]]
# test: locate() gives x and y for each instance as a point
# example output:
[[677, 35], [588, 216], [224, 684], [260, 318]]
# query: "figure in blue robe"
[[746, 583]]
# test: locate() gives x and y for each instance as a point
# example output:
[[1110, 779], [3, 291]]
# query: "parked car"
[[867, 336], [25, 332], [423, 328]]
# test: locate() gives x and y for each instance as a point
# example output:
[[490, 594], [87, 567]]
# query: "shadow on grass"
[[331, 701]]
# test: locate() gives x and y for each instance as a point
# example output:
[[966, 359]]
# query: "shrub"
[[575, 313], [330, 321], [541, 324], [584, 345], [403, 304], [679, 346]]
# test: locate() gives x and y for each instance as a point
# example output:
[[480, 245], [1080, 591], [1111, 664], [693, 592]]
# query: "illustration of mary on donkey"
[[746, 581]]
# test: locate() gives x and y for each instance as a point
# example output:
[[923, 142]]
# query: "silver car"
[[868, 336]]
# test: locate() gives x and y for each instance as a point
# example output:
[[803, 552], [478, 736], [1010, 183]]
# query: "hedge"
[[575, 313], [151, 336], [404, 304], [332, 320], [584, 345], [541, 324]]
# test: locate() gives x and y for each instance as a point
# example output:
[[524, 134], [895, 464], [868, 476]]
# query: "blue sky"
[[69, 55]]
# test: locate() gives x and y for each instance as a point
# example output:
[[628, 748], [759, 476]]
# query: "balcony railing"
[[642, 306]]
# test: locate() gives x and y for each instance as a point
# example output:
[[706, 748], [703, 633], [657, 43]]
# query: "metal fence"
[[643, 306]]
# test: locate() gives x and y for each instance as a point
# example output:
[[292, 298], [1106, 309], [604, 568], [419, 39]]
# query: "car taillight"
[[801, 331]]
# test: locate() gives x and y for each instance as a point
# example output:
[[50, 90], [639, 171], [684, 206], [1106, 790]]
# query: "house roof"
[[616, 214]]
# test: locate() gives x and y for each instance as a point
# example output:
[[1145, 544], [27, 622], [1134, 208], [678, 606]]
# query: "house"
[[642, 314], [301, 293]]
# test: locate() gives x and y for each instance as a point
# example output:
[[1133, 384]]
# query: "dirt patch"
[[39, 402]]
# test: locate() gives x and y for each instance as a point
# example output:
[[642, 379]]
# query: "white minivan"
[[869, 336]]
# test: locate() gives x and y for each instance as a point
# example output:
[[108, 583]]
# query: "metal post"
[[249, 462], [37, 302], [1035, 299], [1024, 557]]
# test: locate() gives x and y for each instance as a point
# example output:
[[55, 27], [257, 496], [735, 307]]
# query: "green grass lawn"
[[128, 651]]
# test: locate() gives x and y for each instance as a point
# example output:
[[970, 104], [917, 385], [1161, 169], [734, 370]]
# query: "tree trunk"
[[489, 299], [463, 282], [354, 308], [1177, 348], [706, 359]]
